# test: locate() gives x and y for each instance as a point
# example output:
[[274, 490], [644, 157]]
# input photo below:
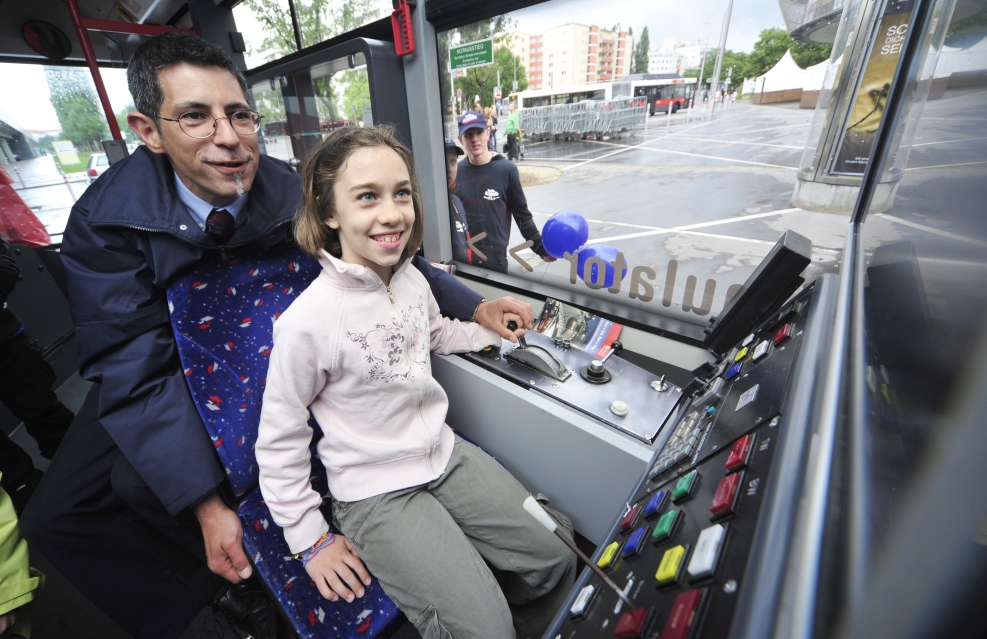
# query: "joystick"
[[512, 326]]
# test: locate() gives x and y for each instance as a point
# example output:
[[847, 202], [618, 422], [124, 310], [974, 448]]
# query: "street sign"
[[497, 94], [474, 54]]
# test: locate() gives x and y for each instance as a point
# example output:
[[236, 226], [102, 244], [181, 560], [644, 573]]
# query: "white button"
[[747, 340], [707, 550], [183, 227], [619, 408], [760, 351], [582, 601]]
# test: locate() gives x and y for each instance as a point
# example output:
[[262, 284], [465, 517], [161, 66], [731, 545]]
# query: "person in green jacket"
[[18, 581], [512, 127]]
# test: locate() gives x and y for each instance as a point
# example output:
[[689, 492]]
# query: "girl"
[[426, 510]]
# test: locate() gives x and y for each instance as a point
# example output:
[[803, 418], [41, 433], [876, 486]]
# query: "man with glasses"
[[134, 510]]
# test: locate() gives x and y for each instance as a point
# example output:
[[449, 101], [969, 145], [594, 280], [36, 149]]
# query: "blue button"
[[633, 545], [655, 504], [734, 370], [710, 410]]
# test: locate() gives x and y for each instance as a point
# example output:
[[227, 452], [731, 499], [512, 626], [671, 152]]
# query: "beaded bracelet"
[[323, 542]]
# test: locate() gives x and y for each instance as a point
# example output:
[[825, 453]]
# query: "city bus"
[[788, 440]]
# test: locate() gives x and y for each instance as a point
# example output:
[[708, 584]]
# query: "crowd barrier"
[[581, 119]]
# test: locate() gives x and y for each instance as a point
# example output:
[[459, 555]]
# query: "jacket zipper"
[[423, 393]]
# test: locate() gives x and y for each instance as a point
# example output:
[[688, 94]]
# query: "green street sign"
[[474, 54]]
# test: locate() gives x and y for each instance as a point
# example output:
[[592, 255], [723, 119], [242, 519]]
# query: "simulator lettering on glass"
[[642, 279]]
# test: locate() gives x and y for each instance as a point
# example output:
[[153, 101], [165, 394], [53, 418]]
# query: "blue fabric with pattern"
[[222, 313]]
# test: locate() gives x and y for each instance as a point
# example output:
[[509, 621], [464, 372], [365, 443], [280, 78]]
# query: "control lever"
[[512, 326], [616, 347], [536, 511]]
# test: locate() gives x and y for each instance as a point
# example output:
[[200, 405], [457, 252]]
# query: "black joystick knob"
[[512, 326], [616, 347]]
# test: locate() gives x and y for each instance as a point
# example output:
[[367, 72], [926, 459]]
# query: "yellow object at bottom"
[[670, 563]]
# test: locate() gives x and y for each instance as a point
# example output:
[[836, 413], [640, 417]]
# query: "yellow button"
[[608, 555], [670, 563], [741, 354]]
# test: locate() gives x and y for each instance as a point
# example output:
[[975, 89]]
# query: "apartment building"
[[574, 54]]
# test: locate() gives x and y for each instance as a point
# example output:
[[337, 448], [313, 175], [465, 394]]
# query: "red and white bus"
[[663, 92]]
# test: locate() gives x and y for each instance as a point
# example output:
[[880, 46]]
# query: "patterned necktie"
[[220, 226]]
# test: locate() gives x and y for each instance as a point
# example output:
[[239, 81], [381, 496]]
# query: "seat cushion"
[[373, 615]]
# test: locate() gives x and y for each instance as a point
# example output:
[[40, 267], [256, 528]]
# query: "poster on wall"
[[857, 141]]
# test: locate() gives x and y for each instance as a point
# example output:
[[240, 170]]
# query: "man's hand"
[[223, 536], [7, 621], [548, 258], [338, 571], [490, 314]]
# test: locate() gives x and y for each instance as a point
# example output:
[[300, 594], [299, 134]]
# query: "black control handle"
[[512, 326]]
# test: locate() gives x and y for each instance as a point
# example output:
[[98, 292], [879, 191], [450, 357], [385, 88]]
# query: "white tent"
[[783, 76]]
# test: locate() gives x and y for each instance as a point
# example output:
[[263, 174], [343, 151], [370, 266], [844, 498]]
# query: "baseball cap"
[[471, 120], [452, 145]]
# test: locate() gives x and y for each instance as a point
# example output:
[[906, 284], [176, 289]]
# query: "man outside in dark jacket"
[[490, 187], [135, 511], [460, 231]]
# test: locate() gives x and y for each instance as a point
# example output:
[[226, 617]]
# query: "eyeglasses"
[[199, 125]]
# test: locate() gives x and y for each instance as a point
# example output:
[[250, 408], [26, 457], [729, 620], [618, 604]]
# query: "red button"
[[726, 491], [739, 452], [629, 518], [631, 624], [782, 334], [683, 615]]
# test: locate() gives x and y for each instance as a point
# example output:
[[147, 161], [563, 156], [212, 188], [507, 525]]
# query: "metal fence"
[[581, 119]]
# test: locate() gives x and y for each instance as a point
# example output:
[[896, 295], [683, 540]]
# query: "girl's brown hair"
[[318, 199]]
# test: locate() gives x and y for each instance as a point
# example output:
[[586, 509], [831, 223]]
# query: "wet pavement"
[[48, 193], [698, 201]]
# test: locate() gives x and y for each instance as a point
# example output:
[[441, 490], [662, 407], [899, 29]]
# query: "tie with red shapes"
[[220, 226]]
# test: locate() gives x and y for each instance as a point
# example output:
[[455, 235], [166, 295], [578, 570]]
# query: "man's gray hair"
[[166, 50]]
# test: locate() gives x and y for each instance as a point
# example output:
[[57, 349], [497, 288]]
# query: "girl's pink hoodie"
[[356, 353]]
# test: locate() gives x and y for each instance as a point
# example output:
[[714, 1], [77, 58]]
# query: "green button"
[[663, 529], [683, 488]]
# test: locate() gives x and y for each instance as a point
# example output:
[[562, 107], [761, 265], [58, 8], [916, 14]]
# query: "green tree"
[[735, 64], [76, 106], [639, 63], [318, 20], [355, 89], [481, 80], [771, 47]]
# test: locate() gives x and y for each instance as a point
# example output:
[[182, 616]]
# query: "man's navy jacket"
[[127, 238]]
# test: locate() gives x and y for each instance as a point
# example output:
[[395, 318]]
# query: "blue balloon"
[[564, 232], [606, 253]]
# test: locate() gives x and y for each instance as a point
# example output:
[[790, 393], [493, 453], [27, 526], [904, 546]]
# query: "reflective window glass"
[[683, 189], [301, 108]]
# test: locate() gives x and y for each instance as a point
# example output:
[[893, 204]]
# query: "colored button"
[[629, 519], [631, 624], [740, 452], [684, 486], [582, 601], [760, 351], [734, 370], [683, 616], [634, 542], [726, 494], [665, 526], [655, 503], [782, 334], [710, 410], [747, 340], [741, 354], [606, 559], [707, 551], [671, 564]]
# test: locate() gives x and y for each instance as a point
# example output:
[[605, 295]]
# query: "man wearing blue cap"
[[490, 188]]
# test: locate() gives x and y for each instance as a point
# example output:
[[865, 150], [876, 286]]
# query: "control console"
[[680, 548]]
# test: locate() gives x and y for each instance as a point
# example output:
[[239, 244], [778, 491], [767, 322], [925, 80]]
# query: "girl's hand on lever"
[[338, 571]]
